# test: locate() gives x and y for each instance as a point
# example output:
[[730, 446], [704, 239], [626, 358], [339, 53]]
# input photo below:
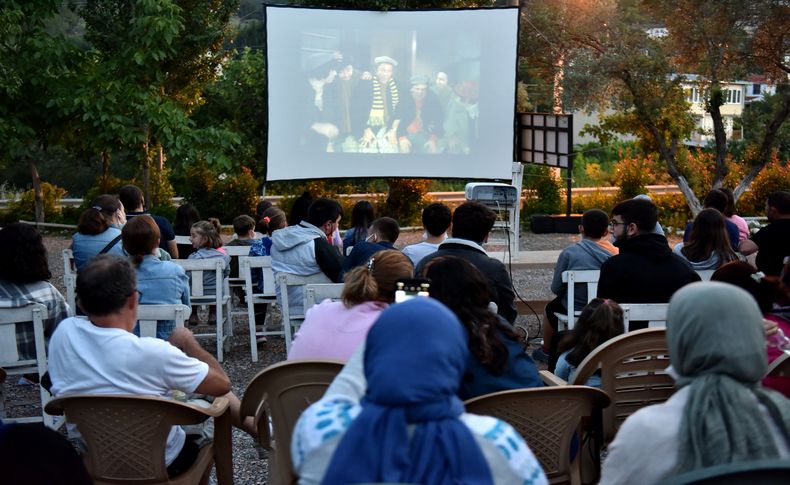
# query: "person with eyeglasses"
[[646, 270]]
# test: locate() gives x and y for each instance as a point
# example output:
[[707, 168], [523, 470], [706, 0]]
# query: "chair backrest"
[[633, 373], [195, 269], [654, 313], [148, 315], [547, 418], [283, 391], [780, 367], [125, 435], [764, 472], [183, 240], [264, 263], [289, 289], [316, 293], [70, 280], [571, 277], [237, 251]]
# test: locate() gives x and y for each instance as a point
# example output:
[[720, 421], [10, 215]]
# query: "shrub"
[[775, 176], [405, 200], [24, 208], [542, 191], [633, 174]]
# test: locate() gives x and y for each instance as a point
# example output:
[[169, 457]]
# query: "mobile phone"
[[406, 289]]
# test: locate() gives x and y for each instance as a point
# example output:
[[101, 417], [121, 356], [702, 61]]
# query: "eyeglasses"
[[614, 223]]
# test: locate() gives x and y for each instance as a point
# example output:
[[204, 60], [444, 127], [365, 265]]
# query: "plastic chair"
[[236, 253], [221, 298], [316, 293], [10, 359], [282, 392], [764, 472], [268, 296], [779, 367], [571, 278], [653, 313], [70, 280], [149, 315], [633, 373], [289, 289], [547, 418], [126, 436]]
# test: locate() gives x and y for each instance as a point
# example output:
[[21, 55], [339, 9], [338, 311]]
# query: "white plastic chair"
[[236, 252], [221, 299], [183, 240], [654, 313], [10, 359], [293, 313], [571, 277], [148, 315], [70, 280], [246, 265], [316, 293]]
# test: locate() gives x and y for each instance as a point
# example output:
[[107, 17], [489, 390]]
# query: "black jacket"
[[500, 288], [645, 271]]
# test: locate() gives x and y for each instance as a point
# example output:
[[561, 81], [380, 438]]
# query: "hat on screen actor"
[[385, 60]]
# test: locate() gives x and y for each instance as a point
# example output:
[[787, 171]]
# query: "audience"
[[436, 220], [472, 223], [158, 282], [587, 254], [101, 355], [186, 216], [496, 360], [772, 242], [304, 249], [719, 414], [408, 425], [24, 279], [334, 329], [646, 270], [708, 245], [600, 321], [133, 202], [766, 291], [361, 218], [382, 235], [98, 230], [729, 213], [716, 199]]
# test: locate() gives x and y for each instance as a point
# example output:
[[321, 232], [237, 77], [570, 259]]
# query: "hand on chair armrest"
[[551, 380]]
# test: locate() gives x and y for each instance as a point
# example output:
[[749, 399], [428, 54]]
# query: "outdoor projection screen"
[[390, 94]]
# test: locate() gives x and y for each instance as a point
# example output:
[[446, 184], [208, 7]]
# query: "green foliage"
[[775, 176], [24, 208], [593, 163], [223, 197], [757, 116], [543, 191], [633, 174]]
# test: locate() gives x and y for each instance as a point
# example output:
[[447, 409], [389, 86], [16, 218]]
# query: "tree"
[[33, 64]]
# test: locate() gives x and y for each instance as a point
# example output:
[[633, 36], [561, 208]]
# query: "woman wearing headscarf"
[[720, 414], [410, 426]]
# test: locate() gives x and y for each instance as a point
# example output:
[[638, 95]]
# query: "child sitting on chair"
[[600, 321]]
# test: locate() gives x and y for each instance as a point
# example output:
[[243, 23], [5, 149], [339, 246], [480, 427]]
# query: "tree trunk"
[[37, 191], [161, 153], [146, 174], [719, 135], [105, 172]]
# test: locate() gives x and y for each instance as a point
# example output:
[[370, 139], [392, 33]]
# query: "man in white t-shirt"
[[436, 219], [100, 354]]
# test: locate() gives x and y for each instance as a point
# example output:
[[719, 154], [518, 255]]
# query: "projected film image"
[[363, 93], [390, 93]]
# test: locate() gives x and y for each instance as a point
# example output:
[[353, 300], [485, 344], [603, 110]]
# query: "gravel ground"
[[532, 284]]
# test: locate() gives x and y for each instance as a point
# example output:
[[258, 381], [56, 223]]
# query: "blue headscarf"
[[415, 357]]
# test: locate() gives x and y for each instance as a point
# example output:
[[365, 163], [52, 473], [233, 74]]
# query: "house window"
[[756, 88]]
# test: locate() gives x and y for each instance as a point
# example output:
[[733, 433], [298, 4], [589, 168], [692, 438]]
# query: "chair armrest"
[[217, 408], [551, 380], [264, 435]]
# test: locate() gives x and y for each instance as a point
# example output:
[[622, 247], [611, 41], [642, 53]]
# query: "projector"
[[495, 195]]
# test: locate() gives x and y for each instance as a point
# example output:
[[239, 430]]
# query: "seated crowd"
[[395, 412]]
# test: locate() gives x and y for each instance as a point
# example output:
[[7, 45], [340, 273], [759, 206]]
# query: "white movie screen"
[[390, 94]]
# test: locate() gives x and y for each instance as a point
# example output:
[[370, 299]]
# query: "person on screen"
[[320, 133], [460, 125], [419, 119], [345, 107], [383, 101], [441, 88]]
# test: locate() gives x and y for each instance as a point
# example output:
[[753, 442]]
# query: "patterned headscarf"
[[415, 356], [717, 346]]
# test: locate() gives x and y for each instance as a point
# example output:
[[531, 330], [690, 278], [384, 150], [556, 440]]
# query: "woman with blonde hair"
[[334, 329]]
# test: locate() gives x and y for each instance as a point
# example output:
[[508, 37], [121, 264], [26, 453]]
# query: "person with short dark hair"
[[100, 354], [717, 199], [24, 279], [304, 249], [773, 240], [186, 216], [646, 270], [586, 254], [98, 230], [436, 220], [382, 235], [361, 218], [134, 202], [472, 222]]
